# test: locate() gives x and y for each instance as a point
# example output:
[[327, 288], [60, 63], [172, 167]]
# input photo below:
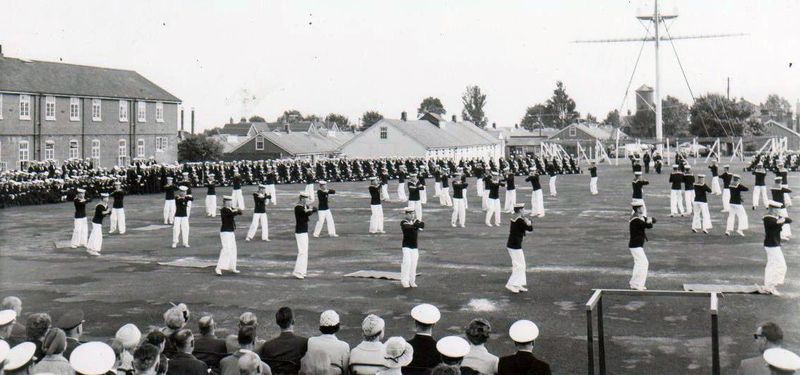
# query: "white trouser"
[[423, 196], [464, 196], [417, 206], [401, 192], [640, 201], [211, 205], [459, 215], [510, 201], [786, 229], [444, 197], [726, 199], [301, 265], [227, 256], [537, 203], [376, 219], [593, 185], [688, 196], [259, 220], [675, 202], [481, 191], [552, 182], [437, 189], [189, 209], [169, 211], [323, 216], [493, 206], [117, 220], [180, 229], [715, 186], [95, 242], [787, 198], [760, 193], [485, 200], [737, 213], [640, 266], [273, 197], [310, 192], [385, 192], [408, 269], [238, 199], [701, 219], [517, 277], [80, 233], [775, 271]]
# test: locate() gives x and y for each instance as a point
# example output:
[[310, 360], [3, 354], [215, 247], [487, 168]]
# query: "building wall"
[[792, 140], [580, 135], [369, 144], [247, 151]]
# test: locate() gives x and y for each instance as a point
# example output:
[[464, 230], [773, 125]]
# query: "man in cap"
[[675, 194], [187, 182], [260, 199], [517, 282], [398, 355], [301, 214], [714, 168], [236, 193], [523, 333], [384, 183], [637, 185], [638, 223], [93, 358], [459, 215], [701, 218], [183, 362], [736, 209], [284, 352], [207, 347], [20, 359], [423, 194], [95, 243], [453, 349], [537, 198], [169, 201], [271, 179], [247, 340], [593, 177], [128, 337], [688, 188], [309, 177], [375, 206], [71, 322], [726, 181], [493, 199], [146, 359], [479, 360], [784, 175], [118, 209], [211, 196], [401, 184], [779, 192], [368, 356], [775, 271], [414, 197], [228, 254], [426, 356], [552, 171], [768, 335], [511, 191], [80, 233], [324, 210], [246, 319], [338, 351], [180, 226], [760, 185], [410, 226]]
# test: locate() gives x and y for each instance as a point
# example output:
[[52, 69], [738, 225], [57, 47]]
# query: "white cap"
[[726, 166], [452, 346], [674, 165], [81, 190], [328, 318], [426, 313], [4, 348], [104, 195], [782, 359], [128, 335], [92, 358], [183, 188], [185, 173], [227, 198], [409, 209], [494, 173], [261, 186], [373, 178], [701, 176], [519, 205], [523, 331], [779, 179], [7, 316], [775, 204], [303, 195], [687, 166], [321, 182], [372, 324], [19, 356], [636, 203], [637, 173]]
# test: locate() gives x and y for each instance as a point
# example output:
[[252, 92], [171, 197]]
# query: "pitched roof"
[[771, 123], [26, 76], [301, 143], [644, 88], [240, 129], [447, 134]]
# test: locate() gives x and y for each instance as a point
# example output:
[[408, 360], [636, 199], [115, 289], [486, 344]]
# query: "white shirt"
[[368, 353], [338, 350]]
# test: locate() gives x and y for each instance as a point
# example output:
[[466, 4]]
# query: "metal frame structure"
[[596, 303]]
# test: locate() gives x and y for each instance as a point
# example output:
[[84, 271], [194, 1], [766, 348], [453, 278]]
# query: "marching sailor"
[[714, 177], [411, 226], [637, 225], [593, 179], [187, 182], [701, 218], [459, 201], [228, 253], [270, 182], [675, 195], [414, 195], [169, 201], [437, 183], [80, 233], [95, 243], [779, 192], [324, 210], [519, 226], [775, 271], [511, 191], [238, 198], [688, 188], [401, 184], [736, 210], [760, 186], [118, 209], [385, 185], [480, 175], [638, 193], [301, 214], [260, 199], [493, 202], [423, 195], [211, 196], [537, 197], [309, 185], [376, 218], [784, 174], [726, 192], [553, 173], [444, 190], [180, 227]]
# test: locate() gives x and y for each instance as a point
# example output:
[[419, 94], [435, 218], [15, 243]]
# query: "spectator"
[[425, 355], [781, 361], [247, 341], [284, 352], [445, 369], [8, 319], [316, 362], [183, 362], [523, 333], [768, 335], [54, 344], [157, 339], [246, 319], [338, 351], [93, 358], [127, 337], [368, 357], [479, 359], [174, 319], [146, 359], [452, 349], [14, 303], [72, 324], [35, 329], [250, 364], [20, 359], [399, 354], [207, 347]]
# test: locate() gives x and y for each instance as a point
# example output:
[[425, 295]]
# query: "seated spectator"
[[479, 359], [93, 358], [247, 341], [316, 363], [246, 319], [127, 337], [284, 352], [159, 341], [146, 359], [14, 303], [174, 319], [782, 361], [35, 329], [452, 349], [20, 359], [399, 354], [72, 324], [368, 357], [523, 333], [54, 344], [338, 351], [250, 364], [8, 318], [183, 362], [207, 347], [769, 335], [445, 369], [425, 355]]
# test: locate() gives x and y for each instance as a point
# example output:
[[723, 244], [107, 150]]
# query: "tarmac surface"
[[579, 245]]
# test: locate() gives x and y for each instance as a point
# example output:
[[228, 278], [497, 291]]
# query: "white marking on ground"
[[480, 305]]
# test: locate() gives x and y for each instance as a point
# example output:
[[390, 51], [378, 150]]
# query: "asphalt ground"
[[579, 245]]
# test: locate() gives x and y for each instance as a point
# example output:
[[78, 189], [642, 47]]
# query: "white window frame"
[[123, 111], [74, 152], [97, 110], [259, 139], [96, 151], [49, 150], [384, 132], [23, 153], [159, 112], [140, 147], [161, 144], [50, 108], [1, 106], [122, 153], [141, 111], [573, 132], [24, 107], [74, 109]]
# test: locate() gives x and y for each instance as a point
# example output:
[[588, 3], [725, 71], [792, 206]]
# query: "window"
[[384, 132], [23, 154], [50, 108], [140, 148], [25, 107], [572, 131], [159, 112], [74, 109], [96, 151], [74, 150], [49, 150], [141, 111], [122, 156], [96, 110], [1, 106], [259, 143], [161, 144], [123, 111]]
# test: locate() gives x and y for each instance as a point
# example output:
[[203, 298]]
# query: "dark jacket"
[[210, 350], [522, 363], [284, 352], [186, 364], [426, 356]]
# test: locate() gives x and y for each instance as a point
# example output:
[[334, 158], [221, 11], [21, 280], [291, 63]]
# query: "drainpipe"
[[132, 117], [37, 124], [83, 128]]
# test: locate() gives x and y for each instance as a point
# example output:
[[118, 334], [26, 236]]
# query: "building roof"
[[783, 127], [445, 135], [240, 129], [301, 143], [27, 76], [601, 132], [644, 88]]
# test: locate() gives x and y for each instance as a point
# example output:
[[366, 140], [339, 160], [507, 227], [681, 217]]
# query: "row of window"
[[74, 150], [75, 109]]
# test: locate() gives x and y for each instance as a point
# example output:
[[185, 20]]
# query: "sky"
[[229, 59]]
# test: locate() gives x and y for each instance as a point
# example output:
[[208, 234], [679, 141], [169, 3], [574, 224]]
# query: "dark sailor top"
[[374, 195], [119, 196], [700, 192], [401, 177], [534, 180], [494, 189], [413, 191], [510, 182], [212, 188], [322, 196], [676, 180], [593, 171], [777, 195], [80, 208], [301, 218], [638, 225], [169, 192], [714, 170], [458, 189], [237, 183], [637, 188], [688, 182], [181, 204], [760, 177], [726, 179], [410, 231], [261, 203], [99, 213], [772, 230], [736, 193], [228, 219], [516, 232]]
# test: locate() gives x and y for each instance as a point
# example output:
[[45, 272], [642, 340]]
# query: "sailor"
[[459, 201], [511, 191], [238, 198], [444, 190], [401, 184], [95, 243], [309, 185], [437, 182], [537, 197], [638, 223], [781, 361], [180, 228], [186, 181], [211, 196], [638, 193], [593, 179], [414, 195], [523, 333], [376, 218], [260, 199], [301, 213], [737, 211], [228, 253], [519, 226], [93, 358], [688, 188], [553, 173], [80, 233], [169, 201], [701, 218], [779, 192], [675, 195], [775, 271], [452, 349], [657, 162], [480, 176], [324, 210], [423, 195], [270, 181], [410, 226], [760, 186], [493, 202], [726, 192], [384, 180], [425, 355], [118, 209], [714, 168], [784, 174]]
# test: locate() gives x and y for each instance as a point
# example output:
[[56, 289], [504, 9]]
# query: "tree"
[[612, 118], [561, 108], [256, 118], [675, 117], [714, 115], [199, 148], [778, 109], [474, 101], [591, 119], [340, 120], [432, 105], [313, 118], [291, 115], [369, 118], [534, 117]]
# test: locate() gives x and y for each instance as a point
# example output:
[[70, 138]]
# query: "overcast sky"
[[238, 58]]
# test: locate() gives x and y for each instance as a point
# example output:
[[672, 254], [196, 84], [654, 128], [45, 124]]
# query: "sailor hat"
[[183, 188], [261, 186], [322, 182], [426, 313], [70, 319], [373, 178], [775, 204], [523, 331], [92, 358], [7, 316], [779, 179], [19, 356], [104, 195], [408, 209], [81, 190], [128, 335], [4, 348], [519, 205], [185, 173], [227, 198], [452, 347], [636, 203], [637, 173], [782, 359], [303, 195], [687, 166], [736, 176], [210, 175], [726, 166], [701, 176], [675, 166]]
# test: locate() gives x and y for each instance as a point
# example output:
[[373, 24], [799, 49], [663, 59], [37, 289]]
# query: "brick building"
[[56, 111]]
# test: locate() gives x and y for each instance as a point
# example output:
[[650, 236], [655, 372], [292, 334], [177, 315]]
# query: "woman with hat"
[[54, 344], [479, 359], [95, 243], [398, 354], [126, 340]]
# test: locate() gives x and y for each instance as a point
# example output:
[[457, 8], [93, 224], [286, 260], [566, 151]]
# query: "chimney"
[[192, 120], [1, 50], [454, 118], [286, 128], [403, 116], [181, 119], [494, 125]]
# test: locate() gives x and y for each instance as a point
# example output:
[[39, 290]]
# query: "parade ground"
[[579, 245]]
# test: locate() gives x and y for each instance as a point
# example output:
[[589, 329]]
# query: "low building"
[[775, 129], [519, 141], [587, 133], [311, 141]]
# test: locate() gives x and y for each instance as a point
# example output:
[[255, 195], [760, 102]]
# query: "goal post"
[[594, 307]]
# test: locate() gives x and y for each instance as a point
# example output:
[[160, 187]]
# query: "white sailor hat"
[[519, 205], [675, 166], [303, 195], [494, 173], [328, 318], [19, 356], [782, 359], [262, 186], [185, 173], [775, 204], [726, 166], [779, 179], [169, 177], [701, 176], [452, 347], [636, 203], [322, 182], [523, 331], [210, 175], [183, 188], [104, 195], [408, 209], [637, 173], [92, 358], [687, 166], [4, 348], [426, 313], [736, 176], [373, 178], [227, 198], [81, 190], [118, 182], [412, 175], [7, 316]]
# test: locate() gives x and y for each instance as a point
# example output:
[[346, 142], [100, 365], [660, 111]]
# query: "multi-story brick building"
[[56, 111]]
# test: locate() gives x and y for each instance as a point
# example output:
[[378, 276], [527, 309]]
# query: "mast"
[[659, 120]]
